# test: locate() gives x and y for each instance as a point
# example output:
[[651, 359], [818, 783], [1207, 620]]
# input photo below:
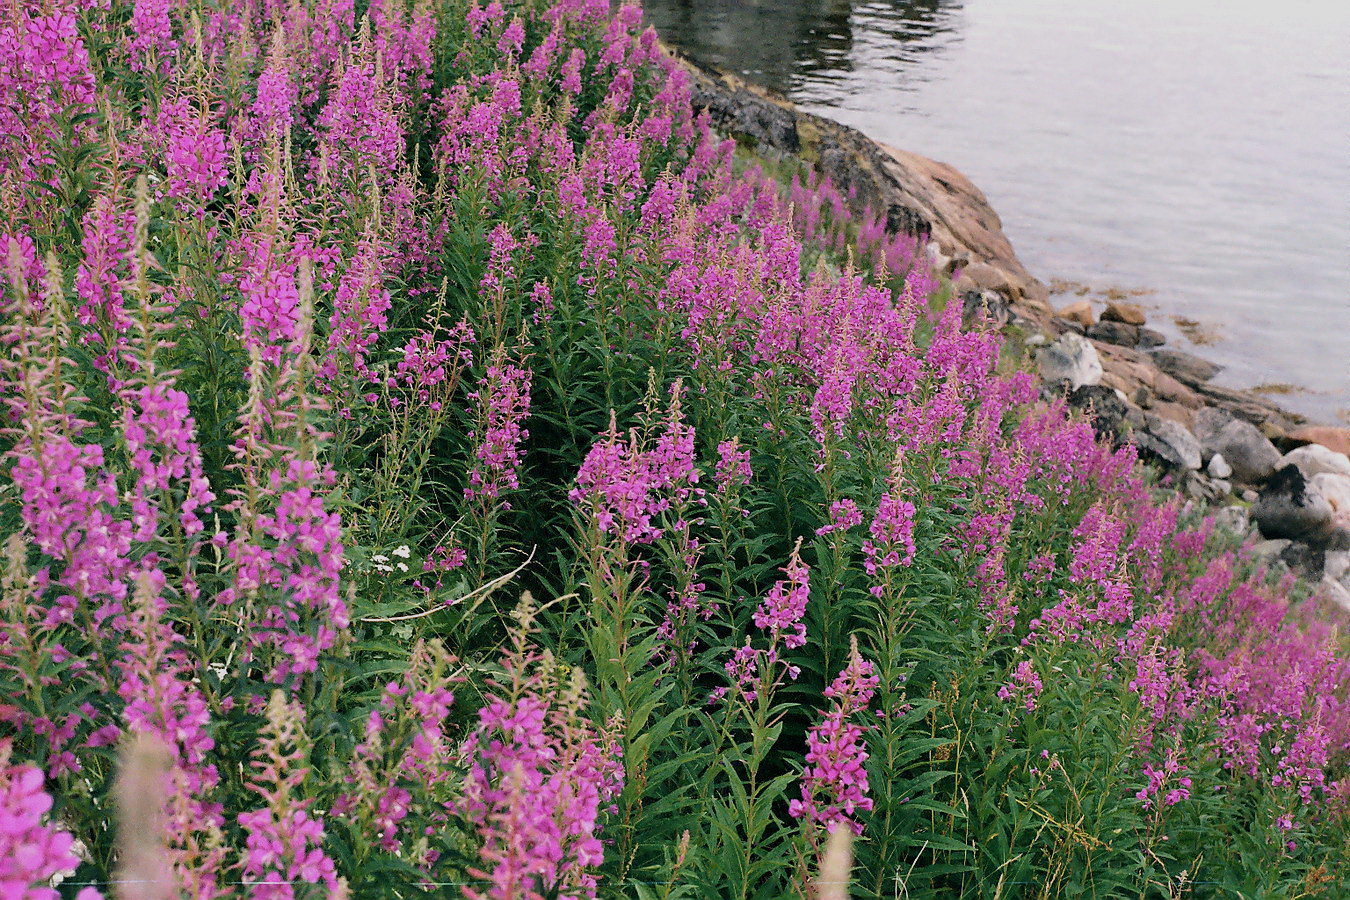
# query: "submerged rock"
[[1070, 360]]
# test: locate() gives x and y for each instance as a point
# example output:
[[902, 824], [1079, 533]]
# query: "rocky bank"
[[1269, 474]]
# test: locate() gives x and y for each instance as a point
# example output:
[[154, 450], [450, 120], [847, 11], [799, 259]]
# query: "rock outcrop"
[[1112, 368], [911, 193]]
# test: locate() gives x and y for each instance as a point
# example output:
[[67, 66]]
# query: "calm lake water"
[[1195, 149]]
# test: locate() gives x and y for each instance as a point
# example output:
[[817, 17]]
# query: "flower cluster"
[[540, 777], [834, 781]]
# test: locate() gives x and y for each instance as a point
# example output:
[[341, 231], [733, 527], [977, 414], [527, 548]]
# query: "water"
[[1195, 149]]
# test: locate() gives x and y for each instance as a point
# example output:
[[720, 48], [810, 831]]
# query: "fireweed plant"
[[431, 448]]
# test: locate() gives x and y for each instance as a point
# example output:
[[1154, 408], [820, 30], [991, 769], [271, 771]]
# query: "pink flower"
[[31, 851], [834, 781]]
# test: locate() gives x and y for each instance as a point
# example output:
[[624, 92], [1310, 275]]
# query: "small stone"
[[1080, 312], [1187, 368], [1218, 467], [1312, 459], [1069, 360], [1115, 333], [1129, 313], [1250, 495]]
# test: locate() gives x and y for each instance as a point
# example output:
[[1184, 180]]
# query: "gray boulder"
[[1289, 508], [1103, 406], [987, 307], [1070, 360], [1305, 560], [1243, 447], [1168, 442]]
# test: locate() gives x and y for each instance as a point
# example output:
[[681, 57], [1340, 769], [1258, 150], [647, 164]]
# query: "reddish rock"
[[1080, 312], [1329, 436], [1174, 412], [1173, 391], [1129, 313]]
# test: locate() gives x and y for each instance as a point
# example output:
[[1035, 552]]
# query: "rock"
[[1250, 495], [1335, 488], [1115, 333], [989, 307], [1173, 391], [1269, 550], [1241, 444], [1149, 338], [1071, 360], [1198, 486], [1257, 410], [1333, 438], [1233, 518], [919, 196], [1128, 313], [1288, 509], [1173, 411], [1312, 459], [1209, 421], [1169, 442], [1335, 592], [1105, 408], [955, 212], [1218, 466], [1080, 312], [1307, 561], [1185, 367], [1337, 565]]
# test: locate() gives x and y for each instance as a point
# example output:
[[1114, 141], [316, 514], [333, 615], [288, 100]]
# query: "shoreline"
[[1281, 480]]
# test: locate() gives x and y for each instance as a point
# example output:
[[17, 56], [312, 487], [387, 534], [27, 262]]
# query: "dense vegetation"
[[434, 462]]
